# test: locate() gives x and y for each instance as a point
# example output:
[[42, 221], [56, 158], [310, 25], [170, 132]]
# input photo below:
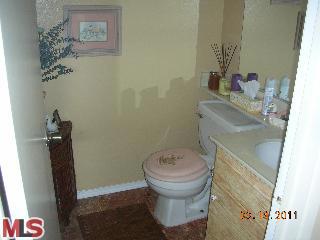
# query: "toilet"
[[182, 177]]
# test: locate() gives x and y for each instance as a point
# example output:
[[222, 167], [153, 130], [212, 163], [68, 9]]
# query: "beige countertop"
[[241, 146], [283, 106]]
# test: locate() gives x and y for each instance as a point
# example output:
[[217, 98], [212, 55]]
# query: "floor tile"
[[191, 231]]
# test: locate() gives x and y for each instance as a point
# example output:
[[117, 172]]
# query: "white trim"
[[111, 189], [9, 161], [298, 178]]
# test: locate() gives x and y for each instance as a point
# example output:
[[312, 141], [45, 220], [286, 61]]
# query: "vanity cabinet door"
[[239, 193]]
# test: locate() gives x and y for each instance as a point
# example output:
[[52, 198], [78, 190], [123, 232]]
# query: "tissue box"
[[248, 104]]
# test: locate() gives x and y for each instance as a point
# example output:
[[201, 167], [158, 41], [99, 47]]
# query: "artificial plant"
[[224, 55], [54, 47]]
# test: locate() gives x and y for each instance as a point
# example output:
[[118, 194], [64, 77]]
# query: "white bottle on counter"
[[268, 96], [284, 88]]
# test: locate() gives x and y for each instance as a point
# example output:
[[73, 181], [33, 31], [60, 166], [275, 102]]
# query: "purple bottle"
[[252, 76], [234, 82]]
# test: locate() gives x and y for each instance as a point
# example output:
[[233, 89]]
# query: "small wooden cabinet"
[[62, 163]]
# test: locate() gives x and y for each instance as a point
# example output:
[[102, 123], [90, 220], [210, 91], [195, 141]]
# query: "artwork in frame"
[[98, 28], [93, 31]]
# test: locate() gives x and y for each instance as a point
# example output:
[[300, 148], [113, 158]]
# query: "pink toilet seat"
[[175, 165]]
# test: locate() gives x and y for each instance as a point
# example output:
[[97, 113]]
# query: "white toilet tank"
[[216, 117]]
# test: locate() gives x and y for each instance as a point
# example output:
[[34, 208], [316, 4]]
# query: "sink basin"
[[269, 152]]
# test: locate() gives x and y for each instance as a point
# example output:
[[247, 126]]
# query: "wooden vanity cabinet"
[[236, 189], [62, 164]]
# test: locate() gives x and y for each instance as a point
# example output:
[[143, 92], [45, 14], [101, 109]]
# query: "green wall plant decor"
[[54, 47]]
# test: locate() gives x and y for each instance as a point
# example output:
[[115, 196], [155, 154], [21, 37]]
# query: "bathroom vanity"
[[238, 212], [242, 185]]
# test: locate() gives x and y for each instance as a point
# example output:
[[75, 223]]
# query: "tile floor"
[[191, 231]]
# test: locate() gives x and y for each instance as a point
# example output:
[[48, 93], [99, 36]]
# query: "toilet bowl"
[[176, 175], [181, 176]]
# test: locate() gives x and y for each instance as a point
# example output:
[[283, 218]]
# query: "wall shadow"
[[157, 123]]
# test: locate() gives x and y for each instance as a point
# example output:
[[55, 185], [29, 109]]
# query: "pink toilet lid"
[[175, 165]]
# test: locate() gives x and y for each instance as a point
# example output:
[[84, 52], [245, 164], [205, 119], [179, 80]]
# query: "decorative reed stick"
[[224, 56]]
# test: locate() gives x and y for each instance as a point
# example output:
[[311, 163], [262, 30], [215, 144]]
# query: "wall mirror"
[[268, 33]]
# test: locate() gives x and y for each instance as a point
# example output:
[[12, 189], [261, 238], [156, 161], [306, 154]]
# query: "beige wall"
[[267, 39], [232, 28], [124, 108]]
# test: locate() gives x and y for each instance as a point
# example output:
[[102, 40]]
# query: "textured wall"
[[267, 39], [232, 29], [124, 108]]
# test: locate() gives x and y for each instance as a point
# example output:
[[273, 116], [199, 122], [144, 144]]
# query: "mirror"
[[266, 34]]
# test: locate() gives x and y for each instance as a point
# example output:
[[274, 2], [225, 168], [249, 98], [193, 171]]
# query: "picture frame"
[[299, 30], [97, 27]]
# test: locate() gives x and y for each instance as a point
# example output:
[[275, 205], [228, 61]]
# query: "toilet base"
[[173, 212]]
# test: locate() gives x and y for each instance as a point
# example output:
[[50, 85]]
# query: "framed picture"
[[97, 27], [299, 30]]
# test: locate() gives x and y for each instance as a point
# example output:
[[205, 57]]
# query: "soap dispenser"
[[268, 96]]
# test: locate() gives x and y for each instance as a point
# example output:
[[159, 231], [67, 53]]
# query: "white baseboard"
[[111, 189]]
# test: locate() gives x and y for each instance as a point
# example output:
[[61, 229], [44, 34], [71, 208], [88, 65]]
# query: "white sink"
[[269, 152]]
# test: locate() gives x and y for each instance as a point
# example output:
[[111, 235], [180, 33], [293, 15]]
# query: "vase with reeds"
[[224, 55]]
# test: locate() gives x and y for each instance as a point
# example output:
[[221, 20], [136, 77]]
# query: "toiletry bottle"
[[284, 88], [268, 96], [252, 76], [213, 83], [235, 82]]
